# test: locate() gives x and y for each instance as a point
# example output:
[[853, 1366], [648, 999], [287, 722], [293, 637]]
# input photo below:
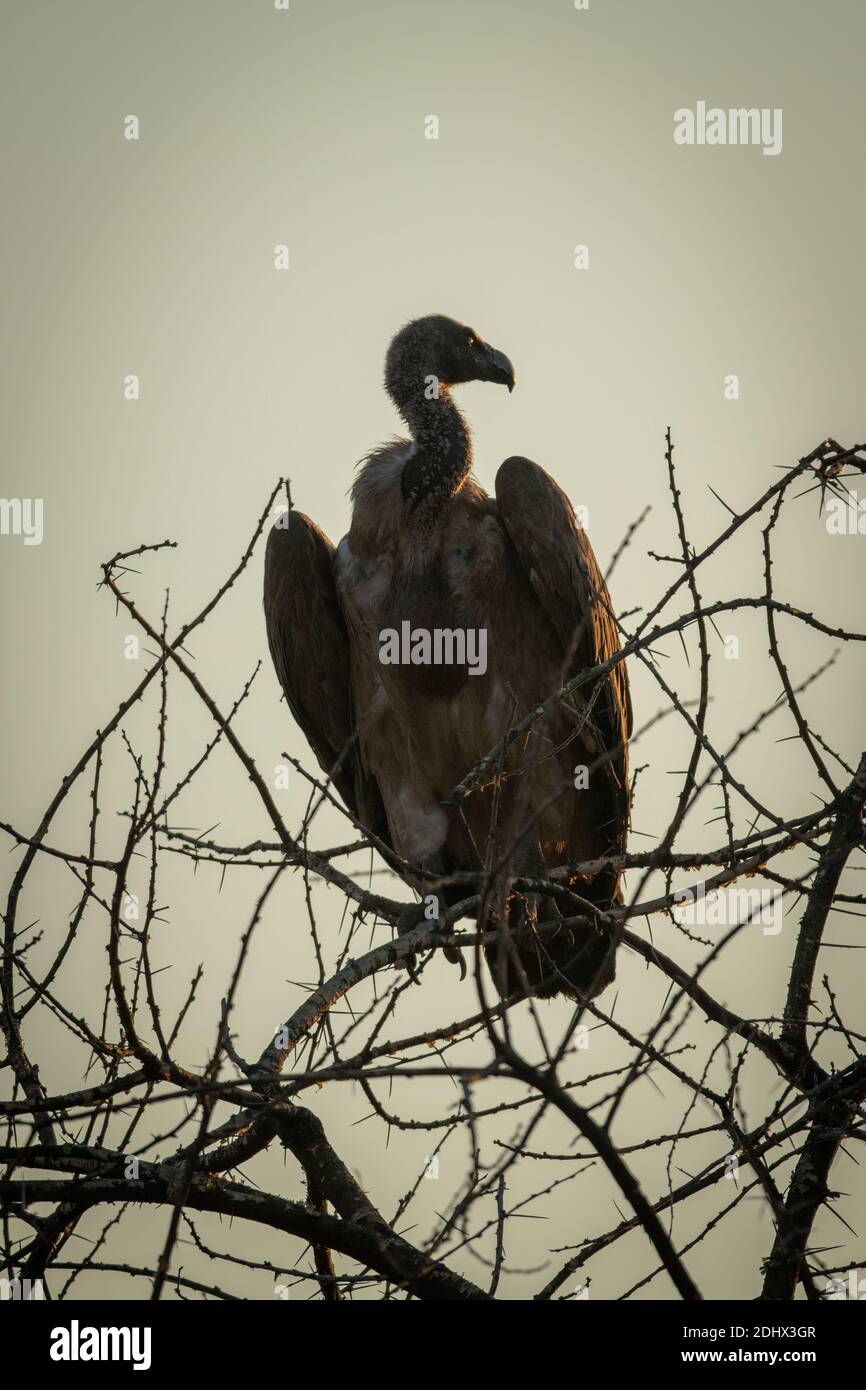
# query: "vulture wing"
[[557, 559], [310, 650]]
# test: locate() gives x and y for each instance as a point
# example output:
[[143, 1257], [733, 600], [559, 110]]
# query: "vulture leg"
[[416, 913]]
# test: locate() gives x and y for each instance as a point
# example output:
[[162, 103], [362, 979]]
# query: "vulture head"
[[442, 348]]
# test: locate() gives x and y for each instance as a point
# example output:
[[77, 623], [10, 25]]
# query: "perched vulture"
[[436, 625]]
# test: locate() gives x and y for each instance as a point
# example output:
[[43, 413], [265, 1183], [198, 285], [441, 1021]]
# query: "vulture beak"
[[497, 368]]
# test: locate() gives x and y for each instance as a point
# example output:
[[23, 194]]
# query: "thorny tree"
[[71, 1157]]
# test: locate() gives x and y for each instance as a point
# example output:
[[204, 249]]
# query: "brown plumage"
[[428, 547]]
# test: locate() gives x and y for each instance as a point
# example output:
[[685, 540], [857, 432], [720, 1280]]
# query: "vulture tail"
[[538, 949]]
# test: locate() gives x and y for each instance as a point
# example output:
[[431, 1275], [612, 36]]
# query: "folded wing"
[[558, 560], [310, 650]]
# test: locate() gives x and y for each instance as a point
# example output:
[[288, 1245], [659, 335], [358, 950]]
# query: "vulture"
[[421, 641]]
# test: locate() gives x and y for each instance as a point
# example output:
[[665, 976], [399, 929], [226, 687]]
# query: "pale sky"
[[155, 257]]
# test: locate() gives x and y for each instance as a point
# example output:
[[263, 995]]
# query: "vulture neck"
[[442, 454]]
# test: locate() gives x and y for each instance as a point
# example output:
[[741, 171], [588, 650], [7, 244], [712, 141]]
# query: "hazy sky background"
[[155, 257]]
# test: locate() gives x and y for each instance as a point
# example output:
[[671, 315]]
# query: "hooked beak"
[[498, 368]]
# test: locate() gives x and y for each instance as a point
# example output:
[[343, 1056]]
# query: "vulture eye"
[[470, 341]]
